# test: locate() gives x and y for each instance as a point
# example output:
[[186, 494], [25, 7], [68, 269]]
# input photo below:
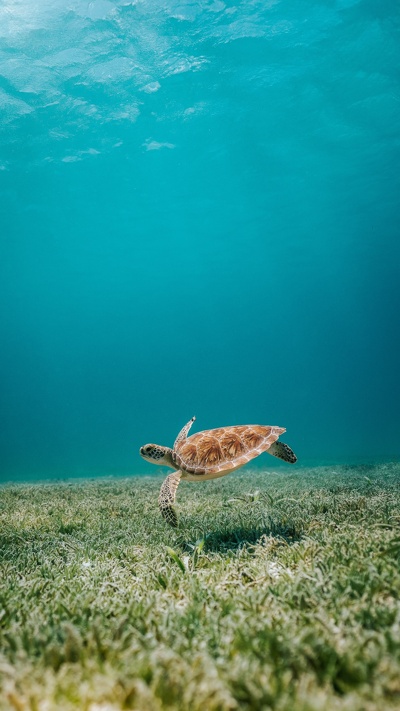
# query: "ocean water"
[[199, 215]]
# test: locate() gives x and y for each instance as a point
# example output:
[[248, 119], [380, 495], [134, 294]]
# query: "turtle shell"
[[224, 449]]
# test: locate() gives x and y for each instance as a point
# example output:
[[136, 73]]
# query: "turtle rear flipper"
[[282, 451], [167, 497]]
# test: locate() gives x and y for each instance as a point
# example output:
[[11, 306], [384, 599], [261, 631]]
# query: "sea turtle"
[[211, 454]]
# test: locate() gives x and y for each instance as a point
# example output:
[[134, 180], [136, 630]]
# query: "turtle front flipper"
[[282, 451], [184, 431], [167, 496]]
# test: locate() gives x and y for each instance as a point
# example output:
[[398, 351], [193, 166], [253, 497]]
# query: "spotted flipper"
[[183, 433], [167, 496], [282, 451]]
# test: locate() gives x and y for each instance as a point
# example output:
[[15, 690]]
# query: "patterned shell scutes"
[[225, 448]]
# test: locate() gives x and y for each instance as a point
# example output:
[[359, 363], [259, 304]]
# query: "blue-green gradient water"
[[199, 215]]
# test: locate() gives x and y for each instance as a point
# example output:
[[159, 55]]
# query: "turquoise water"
[[199, 215]]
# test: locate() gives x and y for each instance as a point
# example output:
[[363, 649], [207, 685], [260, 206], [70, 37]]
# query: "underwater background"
[[199, 215]]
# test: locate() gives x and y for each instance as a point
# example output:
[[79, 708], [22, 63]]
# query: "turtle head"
[[156, 454]]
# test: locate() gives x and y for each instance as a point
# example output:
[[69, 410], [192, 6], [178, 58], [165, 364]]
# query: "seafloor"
[[278, 590]]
